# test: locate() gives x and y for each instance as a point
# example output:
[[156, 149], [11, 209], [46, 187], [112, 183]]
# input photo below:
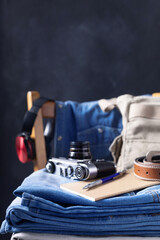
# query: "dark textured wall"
[[71, 50]]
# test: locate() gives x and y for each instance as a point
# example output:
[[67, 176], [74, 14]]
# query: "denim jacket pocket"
[[100, 138]]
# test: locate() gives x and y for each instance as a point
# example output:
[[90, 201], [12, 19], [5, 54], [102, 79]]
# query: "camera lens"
[[50, 167], [80, 151]]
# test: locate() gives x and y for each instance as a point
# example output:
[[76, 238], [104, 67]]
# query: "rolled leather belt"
[[148, 167]]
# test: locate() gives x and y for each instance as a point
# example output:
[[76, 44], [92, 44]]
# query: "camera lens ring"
[[80, 172], [80, 151], [50, 166]]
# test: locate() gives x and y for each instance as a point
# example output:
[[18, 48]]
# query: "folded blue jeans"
[[44, 207]]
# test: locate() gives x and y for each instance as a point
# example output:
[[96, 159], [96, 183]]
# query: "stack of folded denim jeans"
[[41, 206]]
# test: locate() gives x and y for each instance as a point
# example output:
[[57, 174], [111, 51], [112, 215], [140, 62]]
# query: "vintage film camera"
[[80, 164]]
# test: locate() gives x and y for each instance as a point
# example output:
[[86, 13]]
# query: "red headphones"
[[25, 146]]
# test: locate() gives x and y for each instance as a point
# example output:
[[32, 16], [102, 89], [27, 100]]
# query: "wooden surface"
[[48, 110], [157, 94], [37, 134]]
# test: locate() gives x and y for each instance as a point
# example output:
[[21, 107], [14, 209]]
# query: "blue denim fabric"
[[41, 206], [85, 122], [47, 186], [22, 219]]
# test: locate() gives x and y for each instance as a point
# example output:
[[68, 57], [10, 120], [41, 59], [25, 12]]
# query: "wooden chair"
[[47, 111]]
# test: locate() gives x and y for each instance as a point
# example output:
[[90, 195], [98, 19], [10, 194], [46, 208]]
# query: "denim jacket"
[[85, 122]]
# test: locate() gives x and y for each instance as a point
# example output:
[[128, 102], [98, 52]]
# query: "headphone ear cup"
[[25, 148], [30, 147]]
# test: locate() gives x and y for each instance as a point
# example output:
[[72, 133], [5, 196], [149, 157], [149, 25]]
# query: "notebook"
[[126, 183]]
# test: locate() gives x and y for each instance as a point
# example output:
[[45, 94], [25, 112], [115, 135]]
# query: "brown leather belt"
[[148, 167]]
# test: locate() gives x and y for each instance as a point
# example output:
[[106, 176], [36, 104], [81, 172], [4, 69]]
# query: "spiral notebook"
[[126, 183]]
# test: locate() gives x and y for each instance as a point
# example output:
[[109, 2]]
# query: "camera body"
[[80, 165]]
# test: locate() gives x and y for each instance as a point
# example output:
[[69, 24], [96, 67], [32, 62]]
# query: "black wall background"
[[70, 50]]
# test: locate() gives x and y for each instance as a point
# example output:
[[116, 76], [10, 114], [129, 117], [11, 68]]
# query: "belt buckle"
[[152, 157]]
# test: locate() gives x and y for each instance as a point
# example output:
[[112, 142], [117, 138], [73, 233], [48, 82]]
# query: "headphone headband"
[[30, 116]]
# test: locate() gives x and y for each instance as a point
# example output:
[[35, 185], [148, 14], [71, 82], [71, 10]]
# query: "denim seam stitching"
[[157, 194], [152, 195]]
